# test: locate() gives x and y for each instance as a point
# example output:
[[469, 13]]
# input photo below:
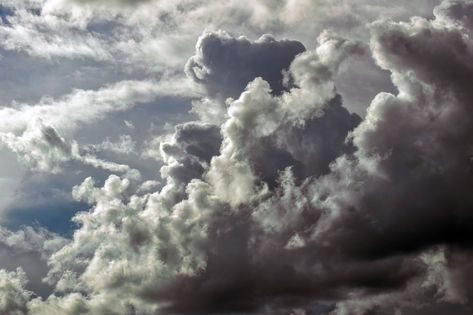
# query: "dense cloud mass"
[[271, 196], [225, 65]]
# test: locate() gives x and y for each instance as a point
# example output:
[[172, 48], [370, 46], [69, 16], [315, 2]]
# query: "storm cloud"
[[273, 197]]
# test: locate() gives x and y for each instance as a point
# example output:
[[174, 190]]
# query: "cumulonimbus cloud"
[[288, 198]]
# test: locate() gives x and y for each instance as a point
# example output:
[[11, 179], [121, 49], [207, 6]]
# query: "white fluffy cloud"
[[85, 106]]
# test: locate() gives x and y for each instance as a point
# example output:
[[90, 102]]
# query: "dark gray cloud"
[[414, 140], [405, 188], [191, 148], [385, 202], [199, 140], [225, 64], [308, 149], [457, 12]]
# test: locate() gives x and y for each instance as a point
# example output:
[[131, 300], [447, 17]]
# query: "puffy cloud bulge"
[[277, 199]]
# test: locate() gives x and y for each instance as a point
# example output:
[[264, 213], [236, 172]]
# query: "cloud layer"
[[276, 198]]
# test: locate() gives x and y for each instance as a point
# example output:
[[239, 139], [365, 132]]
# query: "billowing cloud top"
[[225, 65], [182, 169]]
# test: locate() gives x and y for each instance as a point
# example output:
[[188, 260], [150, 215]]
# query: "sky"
[[239, 157]]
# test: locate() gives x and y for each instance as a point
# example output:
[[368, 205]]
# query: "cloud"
[[286, 197], [456, 12], [42, 148], [225, 65], [198, 224], [25, 31], [14, 297], [397, 188], [152, 37], [430, 111], [29, 248], [32, 131], [86, 106], [109, 2]]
